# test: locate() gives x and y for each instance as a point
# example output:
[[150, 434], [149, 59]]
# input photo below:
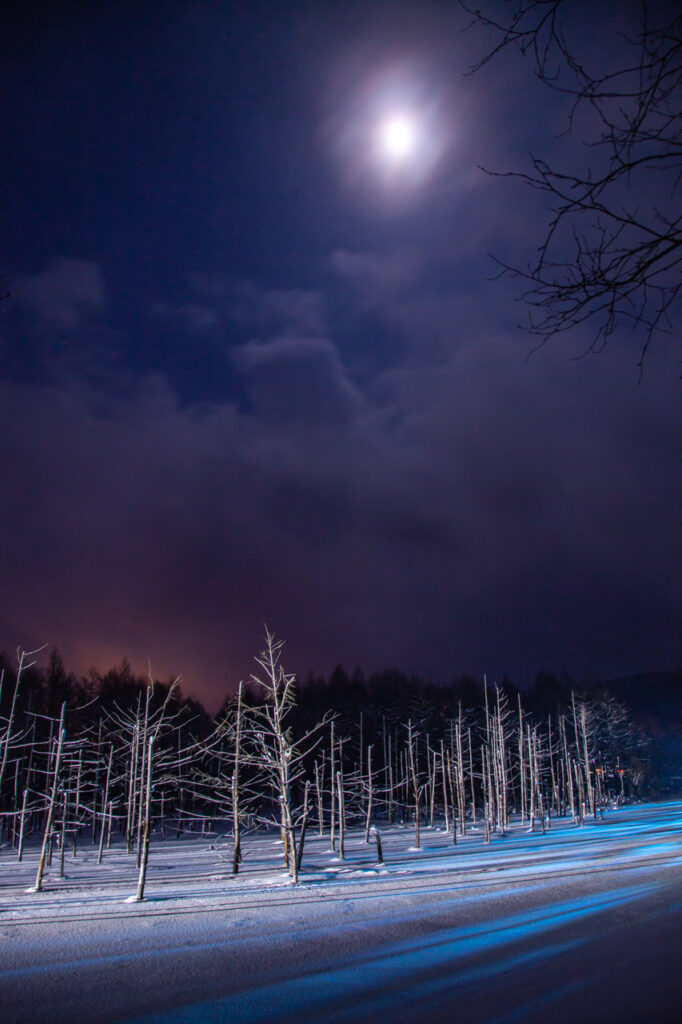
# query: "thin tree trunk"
[[10, 721], [236, 824], [377, 836], [53, 795], [20, 851], [332, 781], [370, 794], [434, 769], [77, 804], [96, 785], [471, 779], [62, 836], [538, 782], [143, 744], [586, 760], [486, 795], [461, 792], [147, 824], [446, 802], [105, 803], [415, 782], [320, 805], [390, 779], [304, 825], [522, 769], [452, 786], [342, 824], [131, 785]]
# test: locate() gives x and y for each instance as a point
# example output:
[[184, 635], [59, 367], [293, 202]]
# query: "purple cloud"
[[65, 295]]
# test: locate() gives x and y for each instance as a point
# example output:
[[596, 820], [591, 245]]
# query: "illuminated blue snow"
[[378, 981]]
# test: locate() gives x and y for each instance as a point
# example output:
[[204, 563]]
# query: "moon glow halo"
[[397, 137]]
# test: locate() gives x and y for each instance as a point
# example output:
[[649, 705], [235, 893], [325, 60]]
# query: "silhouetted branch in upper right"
[[612, 249]]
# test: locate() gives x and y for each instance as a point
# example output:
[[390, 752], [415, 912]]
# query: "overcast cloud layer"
[[353, 448]]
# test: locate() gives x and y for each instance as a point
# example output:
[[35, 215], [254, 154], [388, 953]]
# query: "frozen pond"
[[576, 925]]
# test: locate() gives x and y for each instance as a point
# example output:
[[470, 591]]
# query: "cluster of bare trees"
[[70, 778], [96, 770]]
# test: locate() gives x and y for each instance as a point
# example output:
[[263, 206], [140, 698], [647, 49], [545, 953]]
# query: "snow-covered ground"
[[577, 925]]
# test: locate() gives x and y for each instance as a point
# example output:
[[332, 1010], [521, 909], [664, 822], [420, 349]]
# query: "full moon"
[[397, 137]]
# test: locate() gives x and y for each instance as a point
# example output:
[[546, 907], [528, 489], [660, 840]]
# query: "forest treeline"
[[652, 702], [117, 754]]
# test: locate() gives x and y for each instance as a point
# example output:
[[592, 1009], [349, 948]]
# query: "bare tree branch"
[[612, 251]]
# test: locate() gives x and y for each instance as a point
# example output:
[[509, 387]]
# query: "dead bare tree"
[[47, 833], [584, 729], [236, 807], [161, 760], [226, 780], [106, 805], [273, 748], [332, 787], [142, 877], [500, 733], [370, 793], [414, 779], [7, 738]]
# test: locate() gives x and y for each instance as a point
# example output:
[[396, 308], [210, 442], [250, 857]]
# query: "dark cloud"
[[262, 310], [482, 514], [376, 278], [298, 380], [64, 295], [191, 316], [290, 400], [295, 311]]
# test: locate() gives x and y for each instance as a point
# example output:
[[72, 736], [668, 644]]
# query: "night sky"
[[254, 367]]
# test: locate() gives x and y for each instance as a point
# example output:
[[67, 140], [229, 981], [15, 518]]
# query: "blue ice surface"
[[529, 1010], [380, 981], [238, 940]]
